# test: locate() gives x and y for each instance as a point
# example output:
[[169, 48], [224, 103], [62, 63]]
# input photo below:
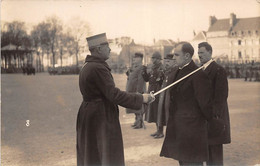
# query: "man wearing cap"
[[154, 75], [163, 112], [99, 138], [219, 83], [136, 83], [190, 108]]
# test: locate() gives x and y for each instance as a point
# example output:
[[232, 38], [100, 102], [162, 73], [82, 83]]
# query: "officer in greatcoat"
[[163, 114], [219, 83], [136, 83], [99, 138], [154, 75], [190, 108]]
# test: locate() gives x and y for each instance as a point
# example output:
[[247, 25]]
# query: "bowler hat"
[[138, 55], [157, 55], [169, 56], [97, 40]]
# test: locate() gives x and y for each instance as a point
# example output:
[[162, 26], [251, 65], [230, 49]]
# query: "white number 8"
[[27, 123]]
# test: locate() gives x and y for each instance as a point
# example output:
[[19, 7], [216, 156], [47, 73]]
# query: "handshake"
[[148, 98]]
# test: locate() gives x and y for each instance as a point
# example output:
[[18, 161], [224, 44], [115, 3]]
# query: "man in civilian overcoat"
[[154, 75], [136, 83], [99, 137], [219, 83], [186, 137]]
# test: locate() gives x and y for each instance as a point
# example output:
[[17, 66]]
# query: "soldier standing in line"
[[163, 113], [154, 75], [219, 83], [136, 83]]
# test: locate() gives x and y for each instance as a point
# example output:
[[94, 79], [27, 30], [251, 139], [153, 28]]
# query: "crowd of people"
[[193, 109]]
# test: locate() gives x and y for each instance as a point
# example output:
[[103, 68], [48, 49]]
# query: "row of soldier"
[[195, 110], [248, 71]]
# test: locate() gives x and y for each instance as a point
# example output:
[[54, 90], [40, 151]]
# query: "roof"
[[247, 24], [200, 36], [9, 47], [12, 47], [220, 25], [240, 24], [164, 43]]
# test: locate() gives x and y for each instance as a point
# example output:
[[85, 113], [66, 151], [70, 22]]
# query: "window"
[[256, 32], [242, 32], [249, 32], [239, 55], [239, 42]]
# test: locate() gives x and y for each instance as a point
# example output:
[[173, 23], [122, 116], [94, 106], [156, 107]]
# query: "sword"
[[167, 87]]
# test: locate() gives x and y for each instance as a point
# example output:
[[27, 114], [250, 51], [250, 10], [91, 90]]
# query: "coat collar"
[[187, 69], [207, 64], [96, 59], [209, 67]]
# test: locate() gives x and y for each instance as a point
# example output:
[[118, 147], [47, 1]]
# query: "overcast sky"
[[142, 20]]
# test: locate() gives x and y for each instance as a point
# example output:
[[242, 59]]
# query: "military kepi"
[[168, 56], [97, 40], [138, 55], [157, 55]]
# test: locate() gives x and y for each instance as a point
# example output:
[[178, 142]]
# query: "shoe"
[[158, 136], [138, 127], [154, 134], [133, 125]]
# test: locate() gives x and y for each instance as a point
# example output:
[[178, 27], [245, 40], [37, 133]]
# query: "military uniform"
[[155, 79], [99, 137], [136, 83], [163, 112]]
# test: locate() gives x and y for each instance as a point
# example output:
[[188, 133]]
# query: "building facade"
[[233, 39]]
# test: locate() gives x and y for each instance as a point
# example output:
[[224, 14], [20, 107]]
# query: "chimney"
[[212, 20], [232, 20]]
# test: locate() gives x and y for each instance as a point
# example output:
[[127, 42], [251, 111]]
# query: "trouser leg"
[[160, 129], [138, 119], [215, 155]]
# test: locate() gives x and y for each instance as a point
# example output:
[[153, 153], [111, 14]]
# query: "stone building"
[[233, 39]]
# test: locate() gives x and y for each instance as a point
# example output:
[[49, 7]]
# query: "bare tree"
[[79, 30], [55, 31], [41, 40], [64, 44], [15, 33]]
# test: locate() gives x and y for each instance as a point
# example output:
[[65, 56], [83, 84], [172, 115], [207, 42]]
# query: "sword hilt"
[[153, 96]]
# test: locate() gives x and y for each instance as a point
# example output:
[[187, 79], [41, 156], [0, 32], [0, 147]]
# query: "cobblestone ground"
[[51, 103]]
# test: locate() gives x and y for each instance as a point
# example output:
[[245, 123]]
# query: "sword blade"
[[179, 80]]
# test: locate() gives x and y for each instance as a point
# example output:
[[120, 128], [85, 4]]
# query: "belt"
[[92, 99]]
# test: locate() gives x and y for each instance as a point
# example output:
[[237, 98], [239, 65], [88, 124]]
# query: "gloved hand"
[[148, 98]]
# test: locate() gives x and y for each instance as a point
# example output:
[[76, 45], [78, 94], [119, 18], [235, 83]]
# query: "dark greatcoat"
[[135, 83], [99, 137], [219, 82], [163, 112], [155, 79], [190, 107]]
